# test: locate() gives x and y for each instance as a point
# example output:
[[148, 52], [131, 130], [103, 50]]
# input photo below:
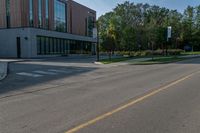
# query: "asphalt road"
[[90, 99]]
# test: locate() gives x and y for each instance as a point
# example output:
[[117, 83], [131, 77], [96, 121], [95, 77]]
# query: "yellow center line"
[[131, 103]]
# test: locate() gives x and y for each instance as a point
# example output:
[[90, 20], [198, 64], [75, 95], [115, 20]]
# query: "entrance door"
[[18, 47]]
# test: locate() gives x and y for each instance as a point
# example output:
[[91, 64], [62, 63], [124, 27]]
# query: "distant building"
[[41, 28]]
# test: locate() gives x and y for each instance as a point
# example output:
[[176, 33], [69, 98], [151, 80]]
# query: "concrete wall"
[[8, 46]]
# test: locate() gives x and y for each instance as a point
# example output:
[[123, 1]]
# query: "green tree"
[[136, 26]]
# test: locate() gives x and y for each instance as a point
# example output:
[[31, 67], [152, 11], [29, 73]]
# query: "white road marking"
[[60, 71], [30, 74], [46, 73]]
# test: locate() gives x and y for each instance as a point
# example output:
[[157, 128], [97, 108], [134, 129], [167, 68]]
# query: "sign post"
[[169, 33], [169, 36]]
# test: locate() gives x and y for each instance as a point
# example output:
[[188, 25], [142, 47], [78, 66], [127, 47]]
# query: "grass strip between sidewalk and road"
[[150, 61], [114, 60], [159, 60], [191, 53]]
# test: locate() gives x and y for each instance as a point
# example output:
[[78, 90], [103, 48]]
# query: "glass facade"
[[90, 26], [60, 46], [8, 13], [31, 13], [47, 13], [60, 16], [40, 13]]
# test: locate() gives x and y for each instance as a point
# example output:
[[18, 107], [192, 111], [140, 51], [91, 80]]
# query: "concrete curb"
[[190, 56], [3, 70], [98, 63]]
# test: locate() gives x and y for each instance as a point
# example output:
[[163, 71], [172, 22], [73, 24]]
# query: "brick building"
[[40, 28]]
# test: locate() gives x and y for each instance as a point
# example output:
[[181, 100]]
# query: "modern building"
[[41, 28]]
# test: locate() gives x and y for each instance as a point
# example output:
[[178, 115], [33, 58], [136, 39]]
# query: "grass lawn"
[[157, 60], [191, 53], [114, 60], [160, 60]]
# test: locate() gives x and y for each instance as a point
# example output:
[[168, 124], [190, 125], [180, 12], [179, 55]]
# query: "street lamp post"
[[97, 41], [98, 45], [97, 35]]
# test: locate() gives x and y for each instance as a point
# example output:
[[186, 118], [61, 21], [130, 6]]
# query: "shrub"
[[175, 51], [158, 52]]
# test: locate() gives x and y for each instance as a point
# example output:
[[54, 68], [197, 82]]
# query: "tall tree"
[[135, 26]]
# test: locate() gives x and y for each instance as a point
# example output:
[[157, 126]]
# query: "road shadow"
[[72, 59], [16, 82]]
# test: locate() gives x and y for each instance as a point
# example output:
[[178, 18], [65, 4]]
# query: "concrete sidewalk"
[[131, 61], [190, 56], [4, 66], [136, 60], [127, 62], [3, 70]]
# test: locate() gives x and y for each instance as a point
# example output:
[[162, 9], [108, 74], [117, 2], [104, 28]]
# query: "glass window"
[[43, 48], [60, 16], [90, 26], [47, 45], [66, 46], [47, 13], [39, 45], [40, 13], [62, 46], [8, 7], [8, 13], [54, 45], [51, 45], [31, 13], [58, 46]]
